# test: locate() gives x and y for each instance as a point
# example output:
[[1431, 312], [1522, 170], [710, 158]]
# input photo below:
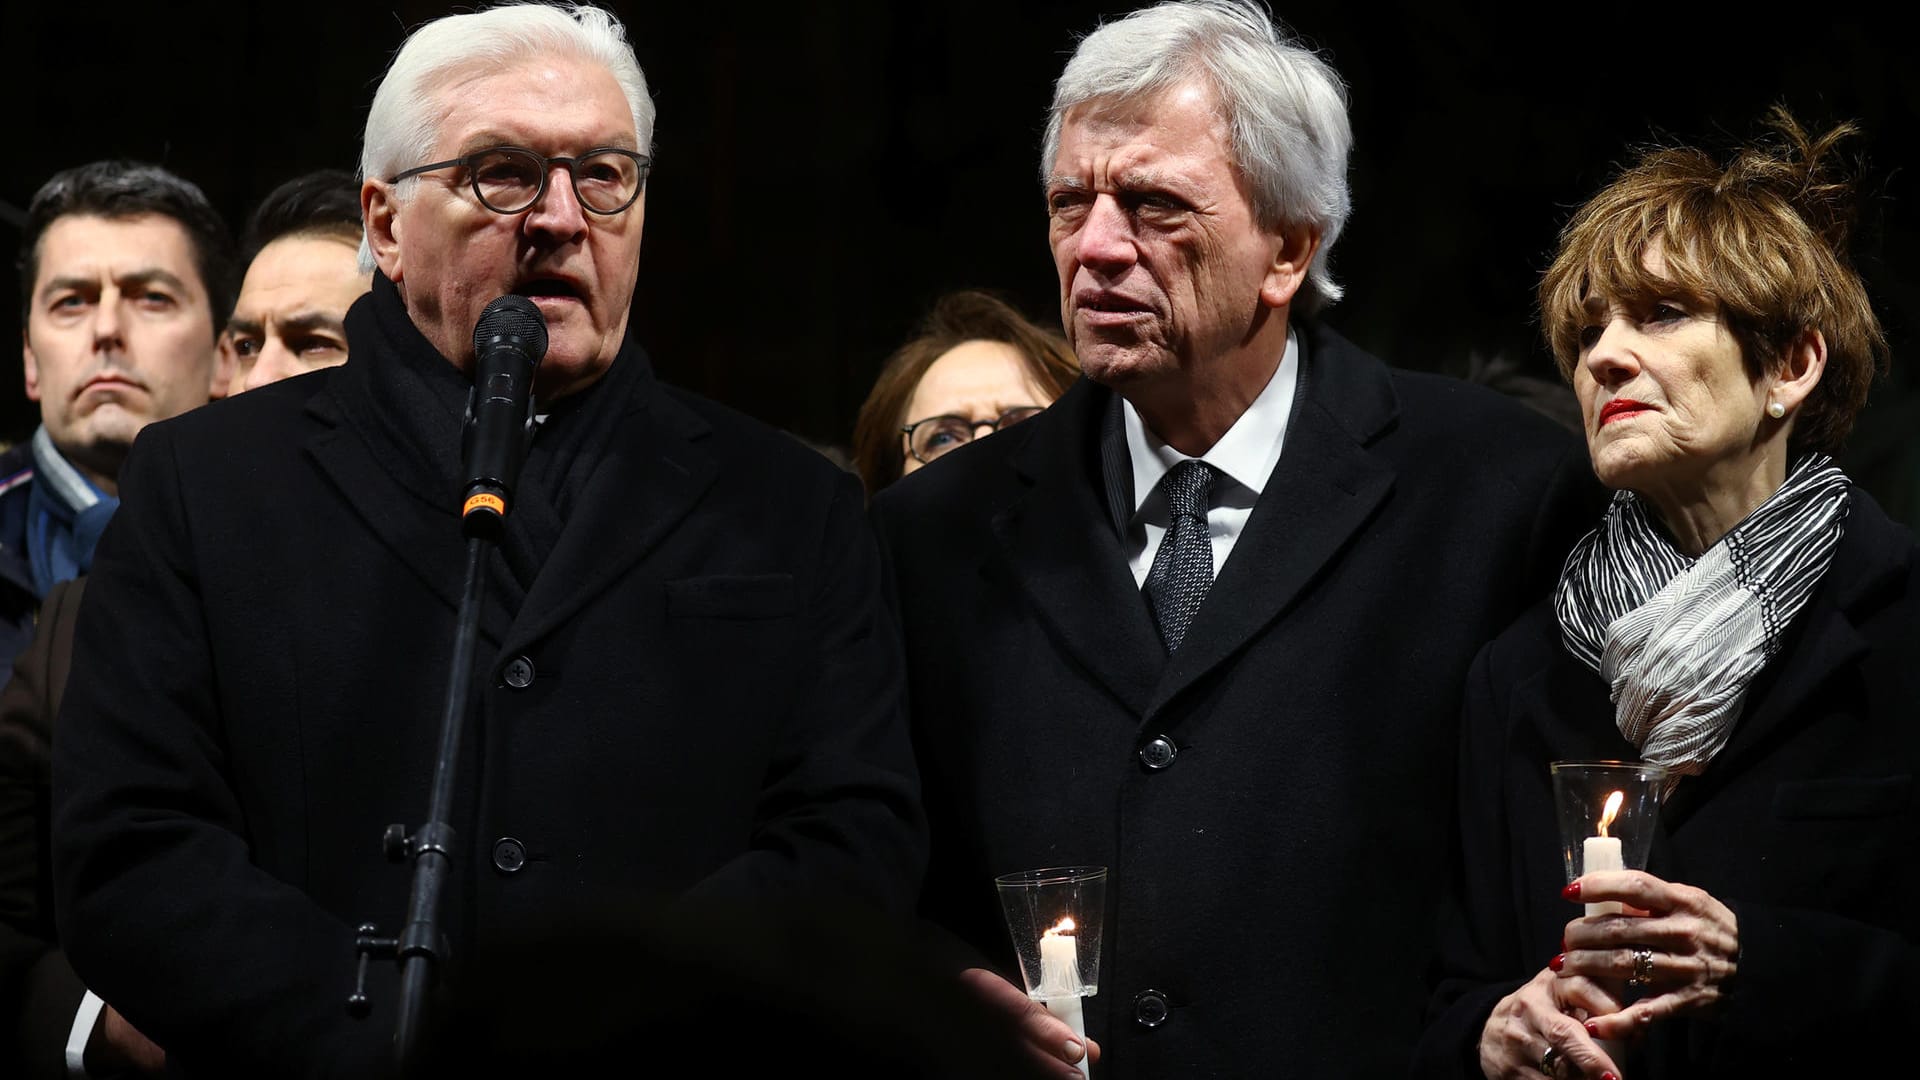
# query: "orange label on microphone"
[[485, 501]]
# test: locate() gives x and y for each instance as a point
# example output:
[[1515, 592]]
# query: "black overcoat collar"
[[1059, 540], [1057, 543], [652, 471]]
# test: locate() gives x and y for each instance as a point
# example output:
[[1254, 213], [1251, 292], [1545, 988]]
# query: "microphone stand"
[[509, 341], [420, 943], [421, 946]]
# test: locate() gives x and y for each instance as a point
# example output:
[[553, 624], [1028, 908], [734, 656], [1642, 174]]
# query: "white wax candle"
[[1059, 966], [1069, 1010], [1602, 853], [1060, 985]]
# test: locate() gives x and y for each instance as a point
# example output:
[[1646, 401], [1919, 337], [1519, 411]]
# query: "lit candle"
[[1603, 853], [1060, 987]]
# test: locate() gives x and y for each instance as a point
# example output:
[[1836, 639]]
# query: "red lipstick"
[[1619, 407]]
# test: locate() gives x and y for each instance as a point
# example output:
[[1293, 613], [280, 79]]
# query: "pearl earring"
[[1775, 409]]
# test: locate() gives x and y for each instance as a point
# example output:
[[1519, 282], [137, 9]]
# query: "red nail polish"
[[1555, 963], [1593, 1029], [1608, 1076], [1571, 892]]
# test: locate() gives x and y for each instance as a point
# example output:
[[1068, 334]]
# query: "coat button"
[[1150, 1008], [509, 855], [1158, 753], [518, 673]]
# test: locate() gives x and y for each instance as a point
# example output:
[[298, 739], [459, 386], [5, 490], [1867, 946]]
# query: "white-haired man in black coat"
[[687, 701], [1206, 620]]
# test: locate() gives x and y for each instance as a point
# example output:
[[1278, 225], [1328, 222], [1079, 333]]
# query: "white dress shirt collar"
[[1246, 454]]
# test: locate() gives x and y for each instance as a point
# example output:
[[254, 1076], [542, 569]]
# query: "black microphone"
[[508, 342]]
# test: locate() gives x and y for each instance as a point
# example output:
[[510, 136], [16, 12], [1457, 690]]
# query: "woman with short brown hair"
[[1743, 616]]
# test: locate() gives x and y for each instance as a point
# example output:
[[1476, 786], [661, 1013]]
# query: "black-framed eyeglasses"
[[509, 179], [928, 439]]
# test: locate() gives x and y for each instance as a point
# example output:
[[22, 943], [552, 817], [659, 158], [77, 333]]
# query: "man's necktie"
[[1183, 567]]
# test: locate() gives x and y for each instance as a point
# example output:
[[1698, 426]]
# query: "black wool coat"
[[1804, 825], [1265, 797], [39, 993], [698, 703]]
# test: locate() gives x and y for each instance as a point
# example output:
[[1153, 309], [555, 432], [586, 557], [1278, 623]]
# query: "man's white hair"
[[401, 124], [1285, 108]]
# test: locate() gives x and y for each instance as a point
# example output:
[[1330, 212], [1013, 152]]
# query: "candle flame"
[[1063, 927], [1612, 810]]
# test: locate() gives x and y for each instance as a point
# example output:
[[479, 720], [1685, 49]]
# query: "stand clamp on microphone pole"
[[508, 341]]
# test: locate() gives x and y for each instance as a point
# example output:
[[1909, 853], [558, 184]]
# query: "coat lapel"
[[653, 472], [1325, 486], [1827, 640], [423, 537], [1576, 722], [1057, 541]]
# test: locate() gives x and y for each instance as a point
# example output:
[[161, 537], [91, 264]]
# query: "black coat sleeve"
[[161, 908], [839, 815], [944, 950], [1864, 973], [1480, 942], [39, 993]]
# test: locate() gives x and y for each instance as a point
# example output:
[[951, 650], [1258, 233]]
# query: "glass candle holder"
[[1054, 917], [1608, 812]]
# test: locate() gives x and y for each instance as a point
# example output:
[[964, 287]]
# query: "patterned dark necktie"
[[1183, 567]]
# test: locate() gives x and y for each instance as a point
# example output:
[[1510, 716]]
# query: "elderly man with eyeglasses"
[[687, 695]]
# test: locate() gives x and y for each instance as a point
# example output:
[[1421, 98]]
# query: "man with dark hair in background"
[[126, 277], [126, 280], [302, 249]]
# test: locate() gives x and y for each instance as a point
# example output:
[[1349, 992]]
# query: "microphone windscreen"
[[512, 316]]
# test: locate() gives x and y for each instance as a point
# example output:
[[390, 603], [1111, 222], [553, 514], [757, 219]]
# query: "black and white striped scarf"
[[1678, 639]]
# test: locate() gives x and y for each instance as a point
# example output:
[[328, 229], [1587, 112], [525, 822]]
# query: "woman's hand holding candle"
[[1689, 946]]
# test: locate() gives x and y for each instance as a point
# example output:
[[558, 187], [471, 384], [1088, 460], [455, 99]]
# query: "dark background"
[[824, 171]]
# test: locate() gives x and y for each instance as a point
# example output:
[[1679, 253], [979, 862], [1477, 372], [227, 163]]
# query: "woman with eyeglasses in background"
[[976, 366]]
